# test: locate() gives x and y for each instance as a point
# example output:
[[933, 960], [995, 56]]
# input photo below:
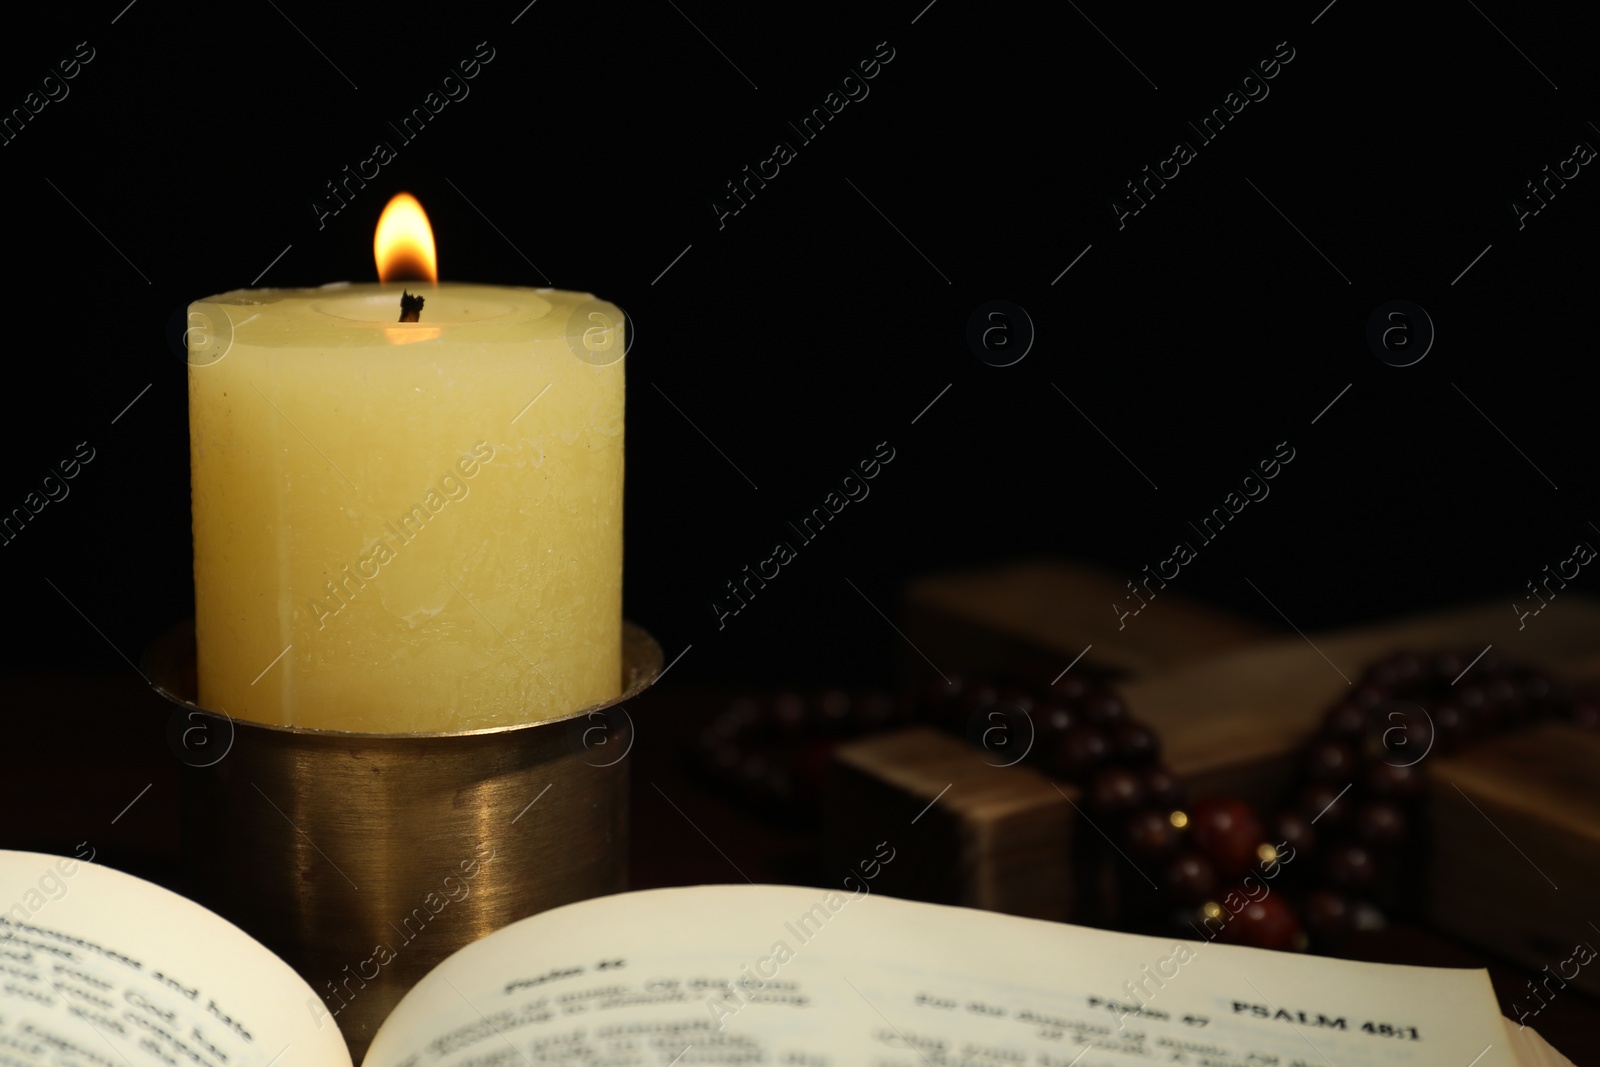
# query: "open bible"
[[101, 969]]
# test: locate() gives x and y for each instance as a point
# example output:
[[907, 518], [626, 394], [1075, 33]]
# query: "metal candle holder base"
[[365, 859]]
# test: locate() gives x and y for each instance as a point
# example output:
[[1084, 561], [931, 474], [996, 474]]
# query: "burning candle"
[[406, 520]]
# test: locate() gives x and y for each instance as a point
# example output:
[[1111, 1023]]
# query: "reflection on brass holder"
[[365, 859]]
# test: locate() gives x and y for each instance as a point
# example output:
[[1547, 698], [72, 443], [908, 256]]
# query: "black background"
[[827, 314]]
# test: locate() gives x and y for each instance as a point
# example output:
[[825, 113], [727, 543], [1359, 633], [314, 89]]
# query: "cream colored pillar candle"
[[407, 526]]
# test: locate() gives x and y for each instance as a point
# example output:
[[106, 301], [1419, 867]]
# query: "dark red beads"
[[1116, 791], [1150, 835], [1054, 719], [1351, 867], [1402, 782], [1448, 666], [1163, 787], [1355, 808], [1190, 878], [1381, 824], [1324, 805], [1327, 915], [1104, 708], [1368, 696], [1291, 828], [1135, 742], [1455, 726], [1265, 923], [1080, 752], [1346, 722], [1071, 687], [1228, 832], [1330, 761]]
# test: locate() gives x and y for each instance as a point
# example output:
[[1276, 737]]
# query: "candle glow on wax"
[[406, 526]]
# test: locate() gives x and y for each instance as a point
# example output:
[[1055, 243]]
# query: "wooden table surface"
[[87, 764]]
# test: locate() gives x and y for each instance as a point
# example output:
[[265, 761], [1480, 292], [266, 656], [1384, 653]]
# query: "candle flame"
[[404, 242]]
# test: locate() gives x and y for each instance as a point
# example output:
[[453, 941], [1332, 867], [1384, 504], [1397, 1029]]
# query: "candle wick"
[[410, 307]]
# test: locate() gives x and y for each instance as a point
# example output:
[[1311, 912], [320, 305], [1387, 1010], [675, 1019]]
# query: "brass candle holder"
[[365, 859]]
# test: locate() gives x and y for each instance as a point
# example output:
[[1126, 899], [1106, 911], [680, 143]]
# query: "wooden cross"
[[1513, 822]]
